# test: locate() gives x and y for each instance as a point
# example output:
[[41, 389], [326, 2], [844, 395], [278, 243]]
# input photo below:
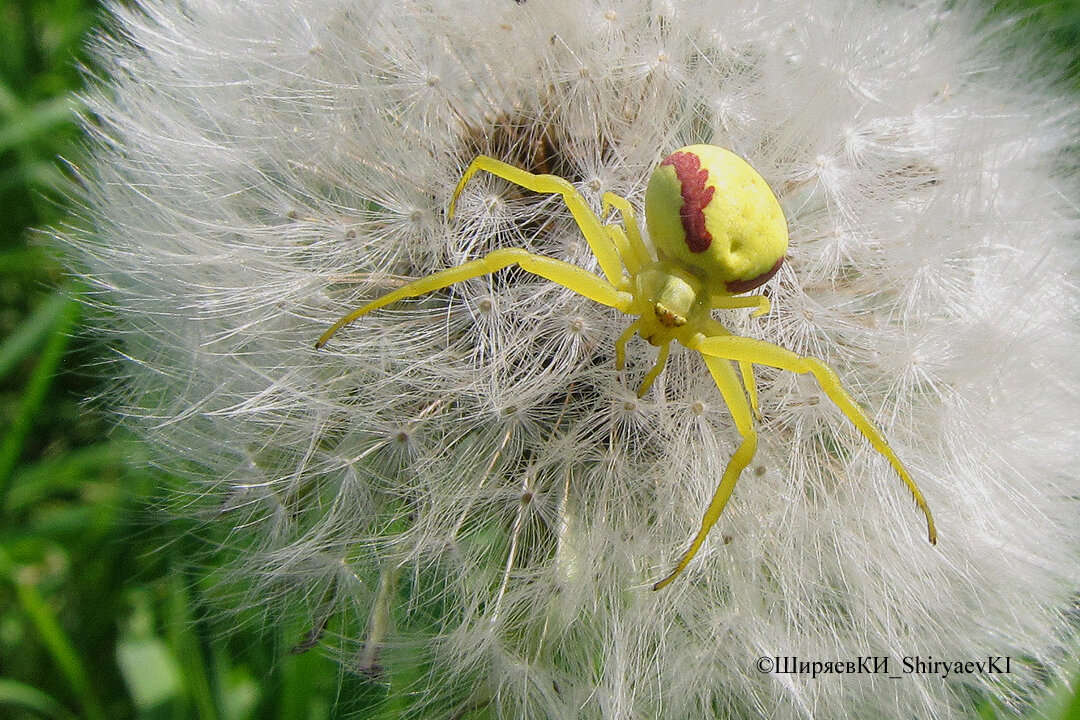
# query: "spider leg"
[[620, 344], [634, 253], [657, 368], [622, 246], [565, 274], [743, 349], [729, 302], [747, 371], [728, 382], [599, 241]]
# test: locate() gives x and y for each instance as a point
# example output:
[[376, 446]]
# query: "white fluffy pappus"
[[461, 486]]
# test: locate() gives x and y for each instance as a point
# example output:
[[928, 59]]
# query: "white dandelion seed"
[[465, 479]]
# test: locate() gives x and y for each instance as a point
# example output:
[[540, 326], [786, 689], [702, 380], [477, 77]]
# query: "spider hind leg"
[[728, 382], [749, 350]]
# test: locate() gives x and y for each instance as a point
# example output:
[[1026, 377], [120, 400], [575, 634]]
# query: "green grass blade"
[[36, 389], [185, 644], [20, 695], [149, 671], [32, 331], [22, 261], [55, 640], [33, 484], [37, 121], [1071, 711]]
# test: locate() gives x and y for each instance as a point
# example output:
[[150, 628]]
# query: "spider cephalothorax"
[[716, 231]]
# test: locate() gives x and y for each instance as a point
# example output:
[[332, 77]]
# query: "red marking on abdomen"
[[738, 287], [695, 196]]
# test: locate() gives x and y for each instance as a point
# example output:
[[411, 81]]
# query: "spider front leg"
[[748, 350], [634, 253], [620, 344], [601, 244], [569, 276], [728, 382], [654, 371]]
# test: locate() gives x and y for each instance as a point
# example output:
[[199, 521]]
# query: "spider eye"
[[709, 211]]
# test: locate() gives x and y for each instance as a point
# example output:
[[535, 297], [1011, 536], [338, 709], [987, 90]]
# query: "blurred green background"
[[100, 614]]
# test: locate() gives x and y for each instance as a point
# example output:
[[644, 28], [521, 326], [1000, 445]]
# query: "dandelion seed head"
[[470, 464]]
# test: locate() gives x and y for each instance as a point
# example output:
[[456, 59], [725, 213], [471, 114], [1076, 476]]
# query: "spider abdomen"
[[709, 211]]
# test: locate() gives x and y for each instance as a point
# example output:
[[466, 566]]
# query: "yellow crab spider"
[[717, 231]]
